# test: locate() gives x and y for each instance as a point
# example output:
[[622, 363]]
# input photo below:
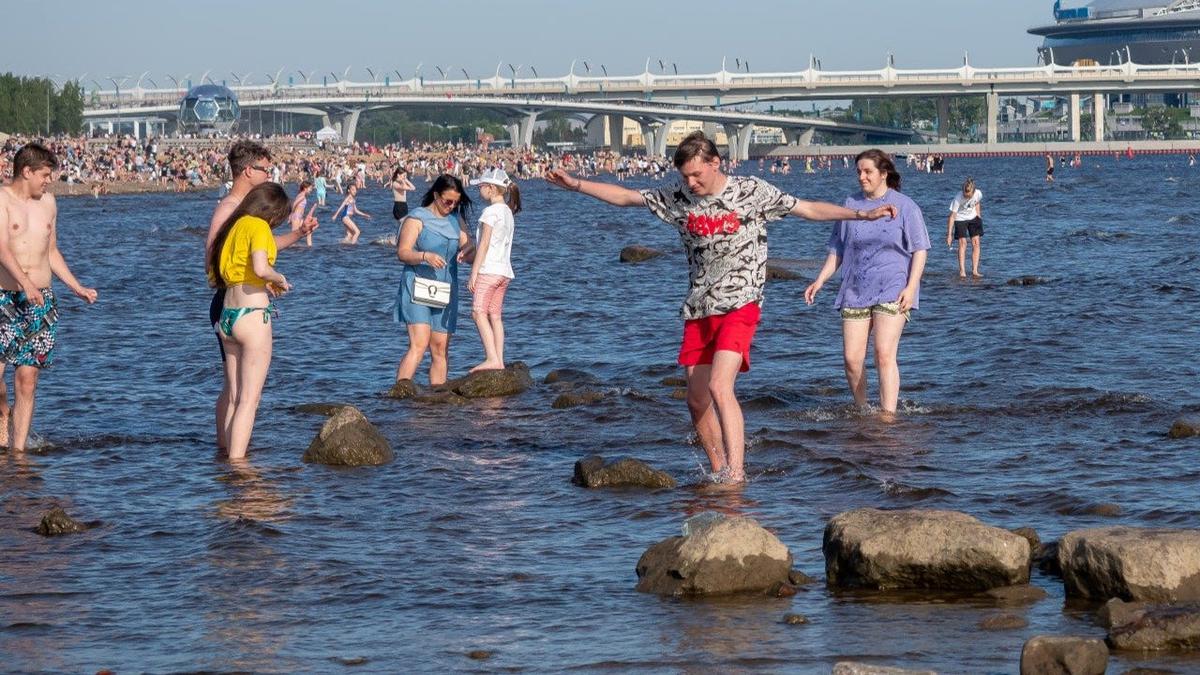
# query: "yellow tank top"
[[248, 234]]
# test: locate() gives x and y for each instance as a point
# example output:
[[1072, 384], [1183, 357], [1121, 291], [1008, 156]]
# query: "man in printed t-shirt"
[[722, 222]]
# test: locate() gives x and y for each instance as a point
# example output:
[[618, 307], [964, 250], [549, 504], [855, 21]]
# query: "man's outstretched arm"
[[605, 192]]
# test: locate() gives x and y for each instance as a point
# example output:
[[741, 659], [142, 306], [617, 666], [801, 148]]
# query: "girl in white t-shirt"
[[492, 270], [966, 222]]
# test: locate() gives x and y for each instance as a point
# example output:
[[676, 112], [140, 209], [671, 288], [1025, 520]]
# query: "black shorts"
[[214, 315], [965, 229], [399, 210]]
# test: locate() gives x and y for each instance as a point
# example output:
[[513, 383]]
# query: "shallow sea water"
[[1023, 406]]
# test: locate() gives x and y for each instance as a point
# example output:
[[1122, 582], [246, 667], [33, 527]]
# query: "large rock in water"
[[1185, 427], [719, 557], [511, 381], [1156, 564], [1045, 655], [854, 668], [56, 522], [637, 254], [921, 548], [349, 439], [594, 472], [1156, 627]]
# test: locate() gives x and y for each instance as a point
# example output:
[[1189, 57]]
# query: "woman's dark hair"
[[444, 183], [883, 162], [305, 185], [695, 144], [268, 201], [400, 171], [512, 197]]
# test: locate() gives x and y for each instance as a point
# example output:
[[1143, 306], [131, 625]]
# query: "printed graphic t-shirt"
[[725, 236]]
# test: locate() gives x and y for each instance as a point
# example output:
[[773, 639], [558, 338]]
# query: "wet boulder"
[[404, 389], [637, 254], [855, 668], [720, 556], [1157, 628], [324, 409], [1048, 655], [594, 472], [349, 439], [56, 522], [921, 549], [1185, 427], [570, 376], [1155, 564], [776, 272], [1028, 280], [513, 380], [574, 399]]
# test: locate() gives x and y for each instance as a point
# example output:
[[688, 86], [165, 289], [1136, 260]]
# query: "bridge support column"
[[993, 118], [654, 135], [799, 136], [738, 137], [596, 128], [349, 125], [616, 133], [1099, 108], [1074, 114], [943, 119], [520, 132]]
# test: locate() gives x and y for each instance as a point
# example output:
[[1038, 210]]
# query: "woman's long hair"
[[268, 201], [446, 182], [884, 163]]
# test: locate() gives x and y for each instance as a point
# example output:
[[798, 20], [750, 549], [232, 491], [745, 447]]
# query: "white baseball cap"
[[493, 177]]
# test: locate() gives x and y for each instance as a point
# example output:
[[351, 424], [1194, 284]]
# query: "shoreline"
[[1040, 149], [61, 189]]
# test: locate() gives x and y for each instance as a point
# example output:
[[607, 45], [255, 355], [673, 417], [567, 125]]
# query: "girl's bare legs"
[[352, 231], [854, 349], [492, 360], [253, 336], [886, 331]]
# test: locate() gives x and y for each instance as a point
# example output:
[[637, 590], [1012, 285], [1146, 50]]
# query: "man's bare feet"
[[977, 275], [488, 365], [962, 275]]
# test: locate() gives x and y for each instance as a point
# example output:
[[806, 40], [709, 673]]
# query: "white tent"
[[328, 134]]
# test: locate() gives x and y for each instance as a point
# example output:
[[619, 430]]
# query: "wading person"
[[882, 263], [722, 222], [29, 257], [966, 222], [492, 271]]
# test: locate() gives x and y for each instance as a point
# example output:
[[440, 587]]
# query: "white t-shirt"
[[966, 209], [500, 218]]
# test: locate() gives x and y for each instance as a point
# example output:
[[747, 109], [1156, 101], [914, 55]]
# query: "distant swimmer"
[[29, 259], [966, 222], [1049, 168], [1191, 160]]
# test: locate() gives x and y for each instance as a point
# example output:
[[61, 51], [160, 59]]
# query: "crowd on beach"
[[879, 240]]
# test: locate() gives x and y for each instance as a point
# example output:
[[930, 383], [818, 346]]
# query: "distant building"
[[1118, 31], [208, 108]]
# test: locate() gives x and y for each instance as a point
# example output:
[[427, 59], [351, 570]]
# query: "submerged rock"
[[778, 273], [513, 380], [1185, 427], [1157, 564], [719, 556], [1046, 559], [56, 522], [404, 389], [637, 254], [594, 472], [349, 439], [1046, 655], [1017, 595], [326, 409], [1028, 280], [1117, 612], [1158, 628], [854, 668], [795, 619], [572, 399], [674, 381], [570, 376], [921, 549], [1003, 622]]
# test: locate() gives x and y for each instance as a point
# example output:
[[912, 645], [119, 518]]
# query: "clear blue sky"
[[67, 38]]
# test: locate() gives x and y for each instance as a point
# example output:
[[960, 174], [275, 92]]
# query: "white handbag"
[[431, 292]]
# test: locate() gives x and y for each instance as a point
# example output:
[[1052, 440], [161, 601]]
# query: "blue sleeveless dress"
[[439, 235]]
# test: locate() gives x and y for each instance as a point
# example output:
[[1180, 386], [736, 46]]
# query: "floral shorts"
[[27, 331], [864, 313]]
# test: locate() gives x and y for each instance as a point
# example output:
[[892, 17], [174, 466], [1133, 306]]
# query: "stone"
[[480, 654], [440, 397], [854, 668], [56, 522], [1028, 280], [1185, 427], [795, 619], [679, 394], [513, 380], [1046, 559], [719, 556], [1048, 655], [674, 381], [404, 389], [921, 549], [570, 376], [798, 578], [325, 409], [573, 399], [1032, 537], [1017, 595], [594, 472], [1107, 510], [1003, 622], [1155, 564], [637, 254], [783, 589], [349, 439], [777, 273], [1158, 628], [1117, 612]]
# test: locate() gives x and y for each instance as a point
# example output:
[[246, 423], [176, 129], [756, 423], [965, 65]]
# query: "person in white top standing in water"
[[492, 269], [966, 221]]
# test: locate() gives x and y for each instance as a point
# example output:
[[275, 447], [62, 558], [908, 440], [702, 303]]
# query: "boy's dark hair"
[[243, 154], [33, 156], [695, 144]]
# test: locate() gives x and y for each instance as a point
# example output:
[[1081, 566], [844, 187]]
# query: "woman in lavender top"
[[882, 262]]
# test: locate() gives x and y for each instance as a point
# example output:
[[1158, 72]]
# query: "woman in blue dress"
[[431, 239]]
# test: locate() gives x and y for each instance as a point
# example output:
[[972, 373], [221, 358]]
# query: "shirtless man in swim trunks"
[[29, 257], [250, 164]]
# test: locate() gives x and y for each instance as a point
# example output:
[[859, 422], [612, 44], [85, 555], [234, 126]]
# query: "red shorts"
[[732, 332]]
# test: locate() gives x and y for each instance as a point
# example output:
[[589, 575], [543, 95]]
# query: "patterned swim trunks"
[[864, 313], [27, 331]]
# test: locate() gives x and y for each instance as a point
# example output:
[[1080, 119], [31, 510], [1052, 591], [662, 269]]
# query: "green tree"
[[1160, 123]]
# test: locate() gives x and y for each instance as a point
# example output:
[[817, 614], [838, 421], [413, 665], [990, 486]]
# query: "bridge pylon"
[[738, 141], [520, 130]]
